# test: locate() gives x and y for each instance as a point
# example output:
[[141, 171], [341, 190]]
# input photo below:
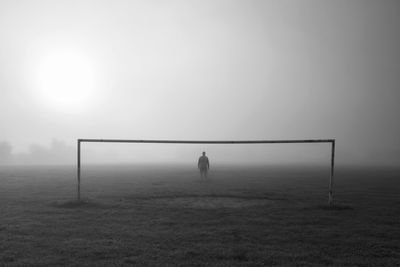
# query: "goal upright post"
[[331, 141], [79, 170], [330, 200]]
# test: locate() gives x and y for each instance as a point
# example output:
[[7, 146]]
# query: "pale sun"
[[65, 81]]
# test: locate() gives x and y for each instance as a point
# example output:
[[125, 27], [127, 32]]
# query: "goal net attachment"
[[329, 141]]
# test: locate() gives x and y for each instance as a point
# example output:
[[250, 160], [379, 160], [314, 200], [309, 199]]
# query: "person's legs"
[[203, 173]]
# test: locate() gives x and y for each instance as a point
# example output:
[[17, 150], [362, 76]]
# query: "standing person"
[[203, 165]]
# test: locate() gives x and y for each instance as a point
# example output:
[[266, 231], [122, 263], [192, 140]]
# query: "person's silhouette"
[[203, 165]]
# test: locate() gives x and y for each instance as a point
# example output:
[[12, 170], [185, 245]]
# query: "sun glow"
[[64, 81]]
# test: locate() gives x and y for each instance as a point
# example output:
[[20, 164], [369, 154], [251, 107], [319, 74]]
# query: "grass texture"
[[167, 216]]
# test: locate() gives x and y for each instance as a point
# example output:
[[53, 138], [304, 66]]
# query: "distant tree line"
[[57, 153], [5, 152]]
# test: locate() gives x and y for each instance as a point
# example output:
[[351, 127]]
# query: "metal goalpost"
[[331, 141]]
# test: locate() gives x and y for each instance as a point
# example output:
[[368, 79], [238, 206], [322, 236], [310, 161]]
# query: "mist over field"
[[177, 154], [199, 70]]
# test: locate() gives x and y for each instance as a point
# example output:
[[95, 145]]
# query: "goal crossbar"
[[90, 140]]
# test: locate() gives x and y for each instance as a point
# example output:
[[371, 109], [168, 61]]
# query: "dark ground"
[[153, 216]]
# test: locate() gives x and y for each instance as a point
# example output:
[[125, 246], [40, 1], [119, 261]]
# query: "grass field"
[[167, 216]]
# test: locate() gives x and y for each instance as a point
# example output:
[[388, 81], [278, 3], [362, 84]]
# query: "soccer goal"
[[329, 141]]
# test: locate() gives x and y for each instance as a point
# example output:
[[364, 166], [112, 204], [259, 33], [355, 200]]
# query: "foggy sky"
[[210, 70]]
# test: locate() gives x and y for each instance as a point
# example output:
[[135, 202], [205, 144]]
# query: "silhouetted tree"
[[5, 152]]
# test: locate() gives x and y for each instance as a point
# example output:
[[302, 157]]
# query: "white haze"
[[207, 70]]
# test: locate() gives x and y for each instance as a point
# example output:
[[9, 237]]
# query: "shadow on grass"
[[335, 207], [77, 204], [177, 196]]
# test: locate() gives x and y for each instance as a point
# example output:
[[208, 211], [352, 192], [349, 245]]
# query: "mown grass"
[[124, 220]]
